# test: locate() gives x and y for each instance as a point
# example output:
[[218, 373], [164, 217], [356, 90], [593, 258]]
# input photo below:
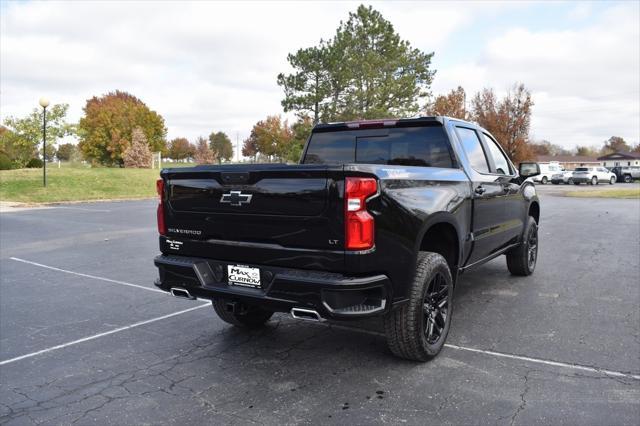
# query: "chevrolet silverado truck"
[[380, 218]]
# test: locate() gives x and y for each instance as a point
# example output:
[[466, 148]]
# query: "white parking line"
[[53, 268], [83, 209], [571, 366], [97, 336], [548, 362]]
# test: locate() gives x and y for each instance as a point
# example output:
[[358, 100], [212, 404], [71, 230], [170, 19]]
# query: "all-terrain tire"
[[254, 316], [522, 259], [407, 330]]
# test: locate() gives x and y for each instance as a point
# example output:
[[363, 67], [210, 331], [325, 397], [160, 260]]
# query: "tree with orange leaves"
[[106, 128], [508, 119], [451, 105]]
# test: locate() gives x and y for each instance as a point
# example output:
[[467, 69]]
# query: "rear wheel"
[[246, 316], [627, 178], [522, 259], [418, 330], [594, 180], [544, 180], [576, 183], [612, 180], [570, 181]]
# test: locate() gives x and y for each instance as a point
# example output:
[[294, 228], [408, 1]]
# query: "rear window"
[[582, 169], [407, 146]]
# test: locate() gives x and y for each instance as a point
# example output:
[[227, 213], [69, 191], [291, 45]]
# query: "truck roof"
[[385, 122]]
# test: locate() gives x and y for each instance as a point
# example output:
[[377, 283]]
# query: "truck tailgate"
[[287, 214]]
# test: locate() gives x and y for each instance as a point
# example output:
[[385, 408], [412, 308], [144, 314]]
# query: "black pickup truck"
[[379, 218]]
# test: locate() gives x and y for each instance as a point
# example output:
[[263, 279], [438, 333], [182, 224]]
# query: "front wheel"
[[570, 181], [594, 180], [627, 179], [612, 180], [417, 330], [576, 183], [522, 259], [544, 180], [248, 316]]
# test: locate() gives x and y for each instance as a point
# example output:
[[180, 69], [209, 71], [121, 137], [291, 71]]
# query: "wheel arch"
[[534, 211], [441, 235]]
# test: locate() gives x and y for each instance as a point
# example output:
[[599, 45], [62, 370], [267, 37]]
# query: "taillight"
[[162, 227], [359, 224]]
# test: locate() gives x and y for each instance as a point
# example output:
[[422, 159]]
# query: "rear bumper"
[[332, 295], [582, 179]]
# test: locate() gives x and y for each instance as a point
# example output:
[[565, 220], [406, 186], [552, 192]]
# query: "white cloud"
[[585, 82], [202, 65], [212, 65]]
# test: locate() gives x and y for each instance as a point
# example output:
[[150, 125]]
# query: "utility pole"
[[44, 103]]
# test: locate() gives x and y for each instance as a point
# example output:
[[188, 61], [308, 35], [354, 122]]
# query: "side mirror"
[[527, 170]]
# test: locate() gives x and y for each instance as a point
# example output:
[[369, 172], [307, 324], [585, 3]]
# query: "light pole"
[[44, 103]]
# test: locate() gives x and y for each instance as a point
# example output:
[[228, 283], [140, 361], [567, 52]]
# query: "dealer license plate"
[[243, 275]]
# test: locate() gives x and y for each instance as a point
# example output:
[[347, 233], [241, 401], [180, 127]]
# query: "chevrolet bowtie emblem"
[[236, 198]]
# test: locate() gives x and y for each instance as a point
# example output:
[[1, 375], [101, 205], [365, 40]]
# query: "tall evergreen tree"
[[365, 71]]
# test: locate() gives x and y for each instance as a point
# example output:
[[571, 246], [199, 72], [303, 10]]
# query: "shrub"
[[138, 154], [35, 163], [5, 162]]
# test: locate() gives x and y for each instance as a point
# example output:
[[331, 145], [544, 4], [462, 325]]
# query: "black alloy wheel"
[[522, 259], [435, 308], [532, 248]]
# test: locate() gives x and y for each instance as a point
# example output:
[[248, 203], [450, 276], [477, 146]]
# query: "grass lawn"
[[607, 193], [74, 184]]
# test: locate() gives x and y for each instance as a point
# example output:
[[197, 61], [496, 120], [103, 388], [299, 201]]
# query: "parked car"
[[626, 174], [565, 176], [379, 219], [547, 170], [593, 175]]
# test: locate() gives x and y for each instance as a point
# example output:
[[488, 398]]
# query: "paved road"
[[102, 347]]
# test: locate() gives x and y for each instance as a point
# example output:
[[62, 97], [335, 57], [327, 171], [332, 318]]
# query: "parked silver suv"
[[593, 175], [565, 176]]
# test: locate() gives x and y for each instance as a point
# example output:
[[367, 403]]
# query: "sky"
[[212, 66]]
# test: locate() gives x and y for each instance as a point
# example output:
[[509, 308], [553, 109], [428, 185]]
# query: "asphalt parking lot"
[[86, 339]]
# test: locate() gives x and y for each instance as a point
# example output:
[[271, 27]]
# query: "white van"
[[546, 171]]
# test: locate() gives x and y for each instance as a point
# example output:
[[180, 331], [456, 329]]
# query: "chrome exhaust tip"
[[306, 314], [182, 293]]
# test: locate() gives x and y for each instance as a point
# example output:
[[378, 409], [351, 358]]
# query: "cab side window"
[[501, 162], [473, 148]]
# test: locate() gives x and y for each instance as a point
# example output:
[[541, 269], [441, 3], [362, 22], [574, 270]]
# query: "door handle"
[[480, 190]]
